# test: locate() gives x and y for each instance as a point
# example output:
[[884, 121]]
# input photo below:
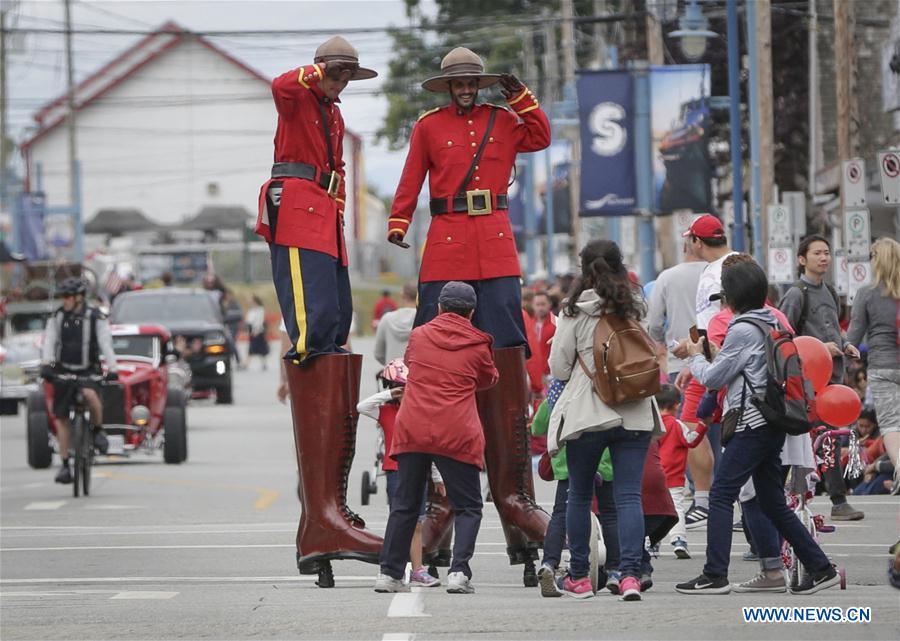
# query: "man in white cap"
[[468, 150], [301, 212]]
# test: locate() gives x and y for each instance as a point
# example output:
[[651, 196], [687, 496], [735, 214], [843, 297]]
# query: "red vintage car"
[[143, 411]]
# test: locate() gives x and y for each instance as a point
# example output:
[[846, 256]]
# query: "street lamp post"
[[693, 32]]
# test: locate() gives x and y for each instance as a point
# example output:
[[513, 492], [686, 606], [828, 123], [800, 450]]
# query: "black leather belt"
[[461, 204], [329, 181]]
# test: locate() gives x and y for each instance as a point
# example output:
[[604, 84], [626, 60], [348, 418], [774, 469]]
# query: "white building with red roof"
[[169, 126]]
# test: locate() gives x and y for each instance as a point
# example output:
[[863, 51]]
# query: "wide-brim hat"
[[338, 49], [460, 63]]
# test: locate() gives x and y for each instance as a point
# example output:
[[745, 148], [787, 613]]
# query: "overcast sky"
[[37, 71]]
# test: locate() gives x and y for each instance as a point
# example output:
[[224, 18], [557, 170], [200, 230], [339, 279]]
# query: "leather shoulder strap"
[[477, 158], [326, 129]]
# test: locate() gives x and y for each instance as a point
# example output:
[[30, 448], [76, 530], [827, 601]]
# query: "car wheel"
[[174, 435], [175, 398], [9, 407], [223, 394], [36, 402], [39, 452]]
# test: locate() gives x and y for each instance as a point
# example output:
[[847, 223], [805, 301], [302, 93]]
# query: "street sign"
[[860, 273], [781, 227], [857, 234], [889, 167], [840, 272], [853, 183], [781, 265], [796, 202]]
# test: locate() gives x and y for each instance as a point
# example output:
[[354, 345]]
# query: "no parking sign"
[[853, 183], [781, 268], [889, 166], [860, 275]]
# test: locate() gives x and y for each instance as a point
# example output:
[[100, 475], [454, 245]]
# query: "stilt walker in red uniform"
[[301, 211], [468, 151]]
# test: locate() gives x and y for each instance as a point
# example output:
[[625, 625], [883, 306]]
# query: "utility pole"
[[3, 151], [813, 47], [551, 67], [569, 64], [842, 54], [70, 103], [528, 195], [659, 225], [759, 50]]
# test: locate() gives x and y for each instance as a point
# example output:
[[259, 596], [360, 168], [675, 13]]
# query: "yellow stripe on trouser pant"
[[299, 302]]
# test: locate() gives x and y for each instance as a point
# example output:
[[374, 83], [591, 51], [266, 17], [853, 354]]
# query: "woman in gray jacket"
[[876, 315], [587, 426], [754, 451]]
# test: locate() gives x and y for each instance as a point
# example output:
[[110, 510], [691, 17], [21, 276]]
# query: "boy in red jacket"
[[673, 452], [449, 360]]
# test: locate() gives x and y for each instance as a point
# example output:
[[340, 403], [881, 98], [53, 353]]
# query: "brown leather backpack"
[[625, 362]]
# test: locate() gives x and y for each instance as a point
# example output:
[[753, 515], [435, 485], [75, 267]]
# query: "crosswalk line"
[[45, 505], [144, 594]]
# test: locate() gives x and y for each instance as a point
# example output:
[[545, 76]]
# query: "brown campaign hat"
[[338, 49], [460, 63]]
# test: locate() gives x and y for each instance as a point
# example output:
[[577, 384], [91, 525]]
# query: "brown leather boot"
[[324, 394], [503, 415], [437, 529]]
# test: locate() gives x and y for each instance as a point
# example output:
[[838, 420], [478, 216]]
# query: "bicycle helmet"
[[394, 373], [72, 287]]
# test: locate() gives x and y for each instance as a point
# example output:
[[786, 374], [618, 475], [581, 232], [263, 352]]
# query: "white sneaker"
[[459, 583], [385, 583]]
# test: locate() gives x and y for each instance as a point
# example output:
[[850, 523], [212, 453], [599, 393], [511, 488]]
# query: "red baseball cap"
[[706, 226]]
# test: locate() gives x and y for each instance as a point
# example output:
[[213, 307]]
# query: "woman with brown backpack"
[[604, 301]]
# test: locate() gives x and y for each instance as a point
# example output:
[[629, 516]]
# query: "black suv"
[[198, 331]]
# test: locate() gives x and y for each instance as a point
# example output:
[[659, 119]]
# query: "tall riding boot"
[[324, 394], [503, 415], [437, 529]]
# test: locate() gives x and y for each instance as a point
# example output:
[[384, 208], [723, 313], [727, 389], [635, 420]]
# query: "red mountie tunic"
[[308, 217], [442, 145]]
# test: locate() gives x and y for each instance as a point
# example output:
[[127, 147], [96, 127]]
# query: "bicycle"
[[81, 434], [798, 501]]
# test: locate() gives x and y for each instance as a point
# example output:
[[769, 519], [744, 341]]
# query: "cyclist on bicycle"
[[75, 336]]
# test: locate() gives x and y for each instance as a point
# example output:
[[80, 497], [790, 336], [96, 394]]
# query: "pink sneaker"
[[577, 588], [422, 579], [630, 589]]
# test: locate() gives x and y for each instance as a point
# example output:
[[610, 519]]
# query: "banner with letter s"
[[606, 114]]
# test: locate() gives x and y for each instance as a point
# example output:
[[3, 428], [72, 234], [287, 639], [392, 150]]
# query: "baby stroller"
[[393, 375]]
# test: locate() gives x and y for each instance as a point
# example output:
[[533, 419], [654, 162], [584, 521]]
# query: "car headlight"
[[140, 415], [214, 343]]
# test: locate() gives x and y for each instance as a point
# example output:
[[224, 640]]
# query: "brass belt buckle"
[[478, 202], [334, 184]]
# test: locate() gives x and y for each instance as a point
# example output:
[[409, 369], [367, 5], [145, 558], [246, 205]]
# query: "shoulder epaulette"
[[428, 113]]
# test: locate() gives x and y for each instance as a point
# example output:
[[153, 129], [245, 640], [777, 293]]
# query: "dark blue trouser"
[[314, 294], [498, 312], [555, 538], [463, 483], [764, 537], [629, 450], [757, 454]]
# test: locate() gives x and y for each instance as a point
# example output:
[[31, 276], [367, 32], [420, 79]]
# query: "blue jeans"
[[757, 454], [764, 537], [555, 538], [628, 449]]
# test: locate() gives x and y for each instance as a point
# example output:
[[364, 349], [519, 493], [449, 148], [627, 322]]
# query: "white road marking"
[[181, 579], [398, 636], [144, 594], [101, 506], [408, 604], [45, 505], [56, 593]]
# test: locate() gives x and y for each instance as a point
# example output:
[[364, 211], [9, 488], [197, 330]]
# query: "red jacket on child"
[[674, 446], [448, 359]]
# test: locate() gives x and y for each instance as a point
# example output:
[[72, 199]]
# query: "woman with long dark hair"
[[587, 426]]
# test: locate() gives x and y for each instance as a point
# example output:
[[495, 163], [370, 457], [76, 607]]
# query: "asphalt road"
[[206, 550]]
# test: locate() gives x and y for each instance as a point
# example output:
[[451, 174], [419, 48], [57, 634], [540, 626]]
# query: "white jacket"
[[579, 409]]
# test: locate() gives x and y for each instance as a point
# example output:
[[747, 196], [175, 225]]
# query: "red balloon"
[[816, 360], [838, 405]]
